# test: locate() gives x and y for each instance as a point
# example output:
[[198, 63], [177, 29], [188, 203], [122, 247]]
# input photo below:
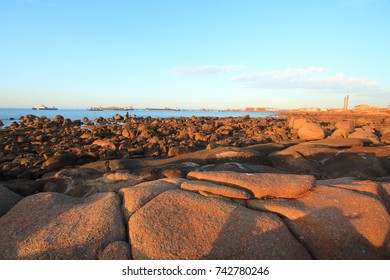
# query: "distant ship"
[[162, 109], [43, 107], [112, 108]]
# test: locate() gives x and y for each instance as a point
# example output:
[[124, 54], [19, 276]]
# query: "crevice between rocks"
[[224, 185], [295, 235], [127, 222]]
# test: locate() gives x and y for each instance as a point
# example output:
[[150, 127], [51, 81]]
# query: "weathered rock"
[[57, 162], [359, 162], [311, 131], [104, 143], [261, 184], [332, 158], [58, 118], [137, 196], [345, 125], [365, 136], [101, 166], [55, 226], [77, 173], [226, 191], [386, 138], [117, 250], [118, 176], [340, 133], [176, 151], [8, 199], [24, 187], [184, 225], [335, 223], [239, 167], [297, 123], [365, 187], [218, 155]]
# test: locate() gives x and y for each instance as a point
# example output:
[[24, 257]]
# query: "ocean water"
[[7, 115]]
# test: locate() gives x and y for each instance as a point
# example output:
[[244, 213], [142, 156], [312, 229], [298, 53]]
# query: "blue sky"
[[194, 53]]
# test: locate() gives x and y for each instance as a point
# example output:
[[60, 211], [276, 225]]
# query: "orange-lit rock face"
[[261, 184], [335, 223], [55, 226], [183, 225]]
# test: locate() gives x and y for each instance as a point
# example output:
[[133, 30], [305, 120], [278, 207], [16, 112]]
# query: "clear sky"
[[194, 53]]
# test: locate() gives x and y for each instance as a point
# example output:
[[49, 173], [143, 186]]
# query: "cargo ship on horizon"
[[43, 107]]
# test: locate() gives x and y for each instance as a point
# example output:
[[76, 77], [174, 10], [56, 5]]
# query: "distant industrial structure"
[[346, 101]]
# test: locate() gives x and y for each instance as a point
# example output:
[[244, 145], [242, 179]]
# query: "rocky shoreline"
[[297, 186]]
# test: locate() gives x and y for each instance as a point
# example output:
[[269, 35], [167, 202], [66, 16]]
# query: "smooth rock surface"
[[311, 131], [55, 226], [261, 184], [335, 223], [183, 225], [137, 196]]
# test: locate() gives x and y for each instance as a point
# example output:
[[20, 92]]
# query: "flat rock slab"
[[261, 184], [54, 226], [217, 155], [8, 199], [137, 196], [226, 191], [184, 225], [335, 223], [365, 187]]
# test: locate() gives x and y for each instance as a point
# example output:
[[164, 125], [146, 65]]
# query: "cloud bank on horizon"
[[315, 78]]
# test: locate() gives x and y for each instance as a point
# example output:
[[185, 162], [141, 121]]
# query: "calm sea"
[[6, 114]]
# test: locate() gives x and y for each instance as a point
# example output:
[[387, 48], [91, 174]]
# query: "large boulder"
[[137, 196], [54, 226], [296, 123], [345, 125], [311, 131], [335, 223], [340, 133], [184, 225], [366, 136], [8, 199], [260, 184], [59, 161]]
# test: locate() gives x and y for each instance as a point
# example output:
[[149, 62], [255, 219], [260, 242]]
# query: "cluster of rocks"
[[38, 145], [327, 198]]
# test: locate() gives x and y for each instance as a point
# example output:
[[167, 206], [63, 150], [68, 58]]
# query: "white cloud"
[[304, 78], [206, 69]]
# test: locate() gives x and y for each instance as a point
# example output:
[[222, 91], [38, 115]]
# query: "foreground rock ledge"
[[261, 184], [335, 223], [184, 225], [55, 226]]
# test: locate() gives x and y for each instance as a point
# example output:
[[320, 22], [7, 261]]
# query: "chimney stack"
[[346, 100]]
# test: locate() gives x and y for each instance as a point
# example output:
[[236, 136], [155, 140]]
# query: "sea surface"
[[8, 115]]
